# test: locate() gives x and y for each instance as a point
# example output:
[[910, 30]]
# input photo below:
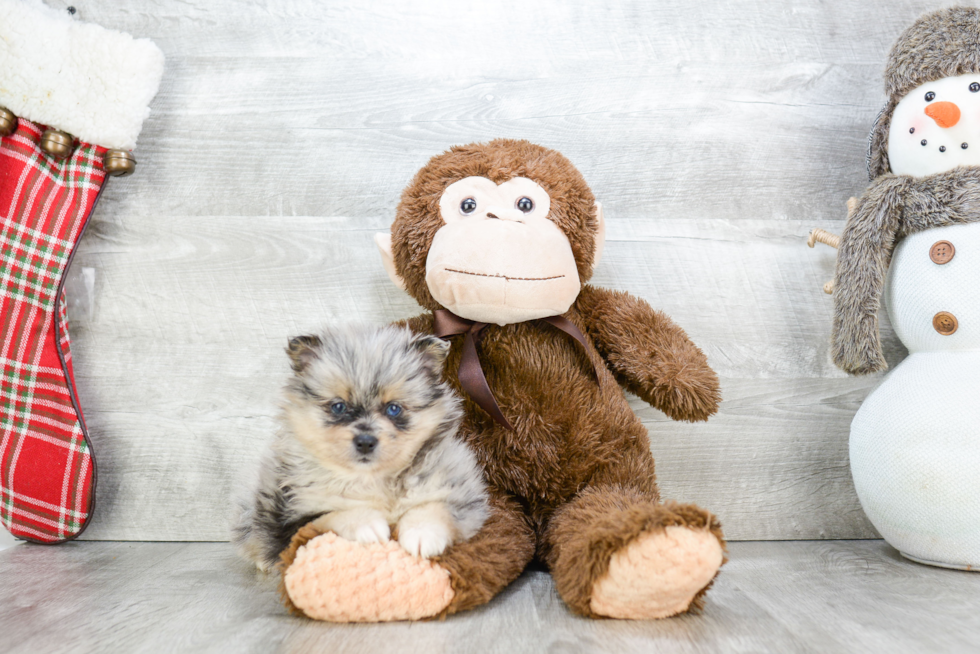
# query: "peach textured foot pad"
[[339, 581], [658, 574]]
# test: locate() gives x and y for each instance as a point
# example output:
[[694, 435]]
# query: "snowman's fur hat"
[[941, 44]]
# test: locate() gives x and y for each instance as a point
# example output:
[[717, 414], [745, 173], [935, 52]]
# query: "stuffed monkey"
[[497, 242]]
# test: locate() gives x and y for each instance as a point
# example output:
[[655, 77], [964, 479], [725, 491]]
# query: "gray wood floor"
[[780, 597]]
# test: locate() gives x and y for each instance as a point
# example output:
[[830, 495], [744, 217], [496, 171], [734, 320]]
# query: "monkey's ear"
[[435, 349], [383, 241], [600, 235], [302, 351]]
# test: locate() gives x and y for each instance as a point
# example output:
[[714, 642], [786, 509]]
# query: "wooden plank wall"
[[716, 134]]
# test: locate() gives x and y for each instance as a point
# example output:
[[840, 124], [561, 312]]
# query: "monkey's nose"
[[946, 114], [365, 443]]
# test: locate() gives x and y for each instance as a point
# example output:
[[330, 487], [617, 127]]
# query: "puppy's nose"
[[946, 114], [365, 443]]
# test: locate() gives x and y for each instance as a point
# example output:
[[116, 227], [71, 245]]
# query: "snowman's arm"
[[649, 354]]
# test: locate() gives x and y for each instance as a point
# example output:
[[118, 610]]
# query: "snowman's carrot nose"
[[946, 114]]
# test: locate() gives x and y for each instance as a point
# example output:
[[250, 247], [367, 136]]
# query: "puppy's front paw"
[[425, 540], [373, 531], [357, 525]]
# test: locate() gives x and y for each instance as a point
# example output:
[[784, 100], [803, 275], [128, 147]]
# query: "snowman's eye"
[[974, 87], [930, 96]]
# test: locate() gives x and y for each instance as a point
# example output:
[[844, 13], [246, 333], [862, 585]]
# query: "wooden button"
[[942, 252], [945, 323]]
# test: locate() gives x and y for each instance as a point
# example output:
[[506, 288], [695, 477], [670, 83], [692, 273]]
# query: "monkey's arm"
[[650, 355]]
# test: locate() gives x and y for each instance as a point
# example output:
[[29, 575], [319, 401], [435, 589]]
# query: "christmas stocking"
[[73, 97]]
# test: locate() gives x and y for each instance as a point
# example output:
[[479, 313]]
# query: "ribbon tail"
[[474, 382]]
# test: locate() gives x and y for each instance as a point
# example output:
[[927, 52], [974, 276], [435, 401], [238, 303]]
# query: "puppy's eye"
[[467, 206], [930, 96], [338, 408], [393, 410], [525, 204]]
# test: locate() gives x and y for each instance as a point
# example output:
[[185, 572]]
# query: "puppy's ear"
[[302, 351], [434, 349]]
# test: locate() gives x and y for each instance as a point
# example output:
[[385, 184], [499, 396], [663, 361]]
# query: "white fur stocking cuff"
[[93, 83]]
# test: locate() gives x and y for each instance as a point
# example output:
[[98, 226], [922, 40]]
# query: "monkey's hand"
[[357, 525], [649, 354]]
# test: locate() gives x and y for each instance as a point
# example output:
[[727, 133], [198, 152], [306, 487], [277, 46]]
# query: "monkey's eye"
[[393, 410], [338, 408], [525, 204], [467, 206], [930, 96], [974, 87]]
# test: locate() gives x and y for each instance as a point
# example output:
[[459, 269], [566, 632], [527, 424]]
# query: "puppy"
[[367, 442]]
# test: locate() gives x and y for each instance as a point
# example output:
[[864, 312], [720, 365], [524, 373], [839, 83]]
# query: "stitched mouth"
[[510, 279]]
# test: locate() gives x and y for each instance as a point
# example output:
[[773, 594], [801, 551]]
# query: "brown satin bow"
[[471, 377]]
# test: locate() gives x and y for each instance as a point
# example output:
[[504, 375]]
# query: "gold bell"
[[118, 163], [8, 122], [57, 143]]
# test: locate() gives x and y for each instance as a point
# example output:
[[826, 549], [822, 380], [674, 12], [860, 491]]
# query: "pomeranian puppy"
[[367, 442]]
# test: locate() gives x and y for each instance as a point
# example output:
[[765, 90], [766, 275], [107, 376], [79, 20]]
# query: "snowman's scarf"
[[893, 207]]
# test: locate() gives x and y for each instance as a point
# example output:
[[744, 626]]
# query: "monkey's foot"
[[658, 575], [333, 579]]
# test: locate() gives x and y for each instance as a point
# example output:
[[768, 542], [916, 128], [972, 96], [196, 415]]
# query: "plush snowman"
[[913, 239]]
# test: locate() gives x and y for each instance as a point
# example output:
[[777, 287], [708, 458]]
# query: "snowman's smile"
[[933, 125]]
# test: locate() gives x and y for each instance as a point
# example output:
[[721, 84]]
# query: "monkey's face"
[[498, 258], [501, 232]]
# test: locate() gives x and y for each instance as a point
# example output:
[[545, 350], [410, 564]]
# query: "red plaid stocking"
[[47, 471]]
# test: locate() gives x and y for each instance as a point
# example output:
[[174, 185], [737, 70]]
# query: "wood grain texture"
[[716, 134], [815, 597]]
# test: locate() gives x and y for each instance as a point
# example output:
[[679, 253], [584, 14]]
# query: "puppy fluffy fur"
[[367, 442]]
